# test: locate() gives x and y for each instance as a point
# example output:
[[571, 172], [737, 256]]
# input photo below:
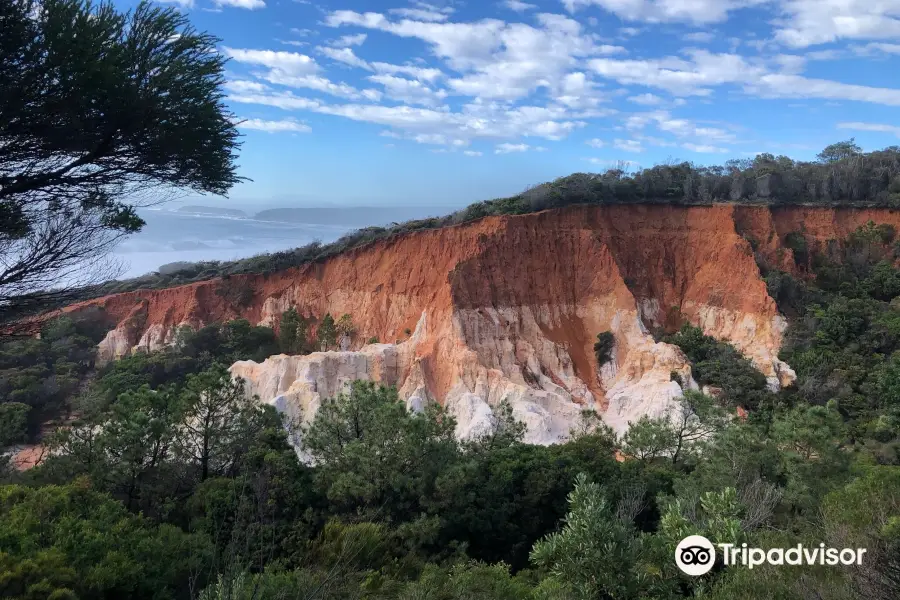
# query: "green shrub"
[[603, 347], [796, 241], [718, 364]]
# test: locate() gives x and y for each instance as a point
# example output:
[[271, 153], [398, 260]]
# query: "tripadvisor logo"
[[695, 555]]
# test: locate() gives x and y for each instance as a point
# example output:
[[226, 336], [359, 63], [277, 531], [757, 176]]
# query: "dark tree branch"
[[96, 108]]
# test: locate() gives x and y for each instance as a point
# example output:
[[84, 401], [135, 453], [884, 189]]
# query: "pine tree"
[[327, 333], [293, 332]]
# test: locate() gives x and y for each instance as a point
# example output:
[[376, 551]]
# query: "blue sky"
[[446, 102]]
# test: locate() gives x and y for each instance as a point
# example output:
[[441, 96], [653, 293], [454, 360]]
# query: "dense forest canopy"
[[842, 175]]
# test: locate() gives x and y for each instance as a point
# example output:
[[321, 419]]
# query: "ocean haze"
[[194, 231]]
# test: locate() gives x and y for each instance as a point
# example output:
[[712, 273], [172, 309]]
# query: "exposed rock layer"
[[509, 307]]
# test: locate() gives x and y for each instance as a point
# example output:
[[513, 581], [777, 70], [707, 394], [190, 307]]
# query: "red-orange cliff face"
[[509, 308]]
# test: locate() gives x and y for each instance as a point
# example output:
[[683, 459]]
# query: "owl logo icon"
[[695, 555]]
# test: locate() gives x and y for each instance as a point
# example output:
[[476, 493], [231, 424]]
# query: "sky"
[[448, 102]]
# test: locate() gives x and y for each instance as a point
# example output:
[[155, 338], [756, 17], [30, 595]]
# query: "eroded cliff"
[[509, 308]]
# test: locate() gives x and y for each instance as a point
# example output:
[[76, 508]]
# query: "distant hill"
[[212, 210], [358, 216]]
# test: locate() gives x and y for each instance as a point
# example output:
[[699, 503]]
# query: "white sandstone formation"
[[490, 354]]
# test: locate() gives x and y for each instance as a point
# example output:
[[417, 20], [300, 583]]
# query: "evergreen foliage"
[[100, 111]]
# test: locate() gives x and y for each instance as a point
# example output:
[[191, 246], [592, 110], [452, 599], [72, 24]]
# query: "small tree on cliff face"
[[293, 332], [327, 332], [603, 347], [345, 328], [98, 110]]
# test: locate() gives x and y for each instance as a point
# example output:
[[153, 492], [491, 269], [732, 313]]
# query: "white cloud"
[[795, 86], [346, 56], [287, 62], [653, 141], [410, 91], [181, 3], [679, 76], [686, 128], [879, 127], [419, 14], [701, 37], [703, 148], [431, 138], [680, 128], [472, 153], [248, 4], [312, 82], [463, 44], [426, 74], [498, 120], [876, 47], [610, 49], [372, 94], [628, 145], [421, 120], [596, 143], [475, 120], [434, 139], [498, 66], [518, 5], [790, 64], [531, 59], [275, 126], [509, 148], [242, 85], [578, 92], [349, 40], [497, 60], [349, 57], [282, 100], [832, 54], [811, 22], [292, 69], [646, 99], [660, 11], [705, 70]]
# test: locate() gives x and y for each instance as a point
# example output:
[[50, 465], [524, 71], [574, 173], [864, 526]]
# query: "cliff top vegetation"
[[842, 175]]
